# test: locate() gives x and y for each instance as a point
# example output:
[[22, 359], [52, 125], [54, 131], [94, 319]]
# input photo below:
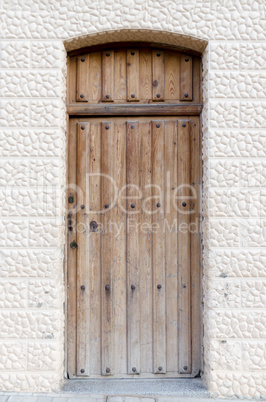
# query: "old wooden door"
[[133, 220]]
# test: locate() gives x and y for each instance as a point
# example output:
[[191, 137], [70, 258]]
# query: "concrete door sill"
[[176, 387]]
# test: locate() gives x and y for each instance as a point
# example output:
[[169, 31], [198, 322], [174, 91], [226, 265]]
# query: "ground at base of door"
[[70, 397]]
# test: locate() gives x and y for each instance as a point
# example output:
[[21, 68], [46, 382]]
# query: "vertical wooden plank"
[[132, 75], [83, 312], [196, 80], [120, 75], [95, 77], [72, 254], [186, 78], [145, 75], [133, 257], [172, 75], [71, 80], [171, 246], [145, 249], [195, 254], [183, 204], [158, 250], [119, 296], [93, 186], [107, 131], [108, 76], [82, 94], [158, 75]]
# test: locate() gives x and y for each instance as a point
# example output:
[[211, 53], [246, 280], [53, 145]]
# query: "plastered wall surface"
[[35, 36]]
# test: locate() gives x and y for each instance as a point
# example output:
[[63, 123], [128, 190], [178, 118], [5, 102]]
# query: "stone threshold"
[[176, 387]]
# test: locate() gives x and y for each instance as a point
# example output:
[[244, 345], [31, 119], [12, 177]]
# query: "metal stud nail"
[[81, 96], [159, 286], [71, 199], [82, 287], [158, 96], [185, 368], [184, 125], [186, 59], [107, 127], [107, 96], [132, 205], [132, 95], [82, 59], [158, 54], [160, 368], [158, 125], [134, 369], [108, 54], [82, 127], [133, 53], [106, 206], [107, 370], [82, 371], [158, 205], [184, 204], [186, 95], [132, 126], [107, 287], [73, 245], [133, 287], [82, 206]]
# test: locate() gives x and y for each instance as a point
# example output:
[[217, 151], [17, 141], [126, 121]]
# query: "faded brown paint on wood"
[[120, 75], [145, 250], [107, 200], [95, 77], [133, 244], [119, 273], [186, 78], [83, 268], [158, 75], [132, 75], [183, 204], [158, 252], [108, 76], [142, 74], [112, 331], [93, 187], [171, 251], [83, 79]]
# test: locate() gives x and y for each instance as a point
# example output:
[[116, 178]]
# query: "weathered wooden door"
[[134, 236]]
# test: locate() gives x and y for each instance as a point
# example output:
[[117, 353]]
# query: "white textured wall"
[[32, 176]]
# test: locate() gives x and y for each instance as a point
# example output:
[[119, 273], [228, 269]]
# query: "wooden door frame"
[[113, 110]]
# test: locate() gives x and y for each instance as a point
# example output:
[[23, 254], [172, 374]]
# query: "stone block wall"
[[34, 38]]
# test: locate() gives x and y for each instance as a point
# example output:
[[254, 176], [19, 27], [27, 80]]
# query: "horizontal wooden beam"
[[162, 109]]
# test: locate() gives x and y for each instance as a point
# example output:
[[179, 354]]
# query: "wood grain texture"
[[83, 71], [158, 246], [146, 327], [132, 75], [158, 75], [95, 77], [133, 246], [145, 250], [93, 247], [83, 268], [135, 110], [171, 250], [107, 198], [184, 281], [186, 81], [108, 76]]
